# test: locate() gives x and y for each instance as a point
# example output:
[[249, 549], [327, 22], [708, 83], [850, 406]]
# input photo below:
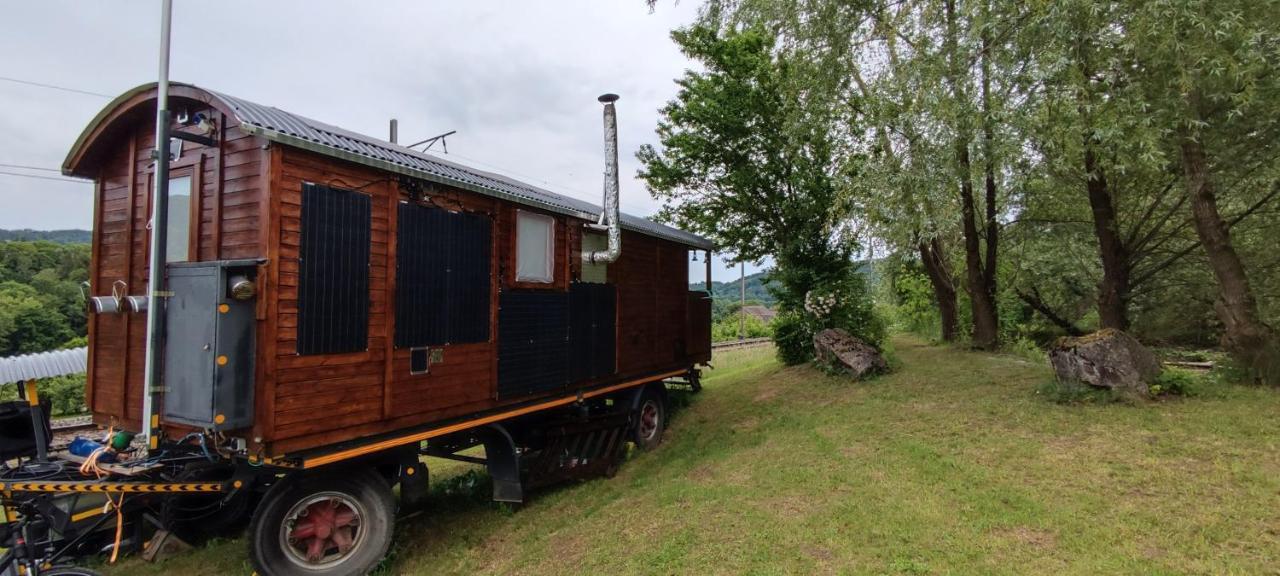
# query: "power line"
[[512, 173], [55, 87], [25, 167], [54, 178]]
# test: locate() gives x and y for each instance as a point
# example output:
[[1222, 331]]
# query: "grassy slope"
[[950, 466]]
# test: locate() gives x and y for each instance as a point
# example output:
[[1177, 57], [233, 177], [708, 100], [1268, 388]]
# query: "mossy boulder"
[[838, 349], [1108, 358]]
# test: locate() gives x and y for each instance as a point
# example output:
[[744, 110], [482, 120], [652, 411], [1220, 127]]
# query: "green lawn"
[[952, 465]]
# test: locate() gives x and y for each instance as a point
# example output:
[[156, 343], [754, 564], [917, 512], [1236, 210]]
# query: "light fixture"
[[242, 288]]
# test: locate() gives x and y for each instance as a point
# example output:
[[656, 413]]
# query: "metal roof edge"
[[290, 140]]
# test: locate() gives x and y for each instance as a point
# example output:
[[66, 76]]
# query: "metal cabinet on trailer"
[[209, 344]]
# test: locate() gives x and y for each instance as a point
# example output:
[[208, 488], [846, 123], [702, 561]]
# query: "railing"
[[747, 343]]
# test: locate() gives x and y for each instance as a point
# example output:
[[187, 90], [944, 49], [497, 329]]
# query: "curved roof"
[[43, 365], [291, 129]]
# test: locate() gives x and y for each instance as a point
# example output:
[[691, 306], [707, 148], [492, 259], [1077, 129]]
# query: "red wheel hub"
[[648, 420], [323, 528]]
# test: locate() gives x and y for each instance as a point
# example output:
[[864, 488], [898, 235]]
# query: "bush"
[[726, 328], [846, 304], [793, 336], [1173, 382], [65, 394]]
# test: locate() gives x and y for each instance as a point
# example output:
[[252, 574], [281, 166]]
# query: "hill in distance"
[[72, 236], [758, 287]]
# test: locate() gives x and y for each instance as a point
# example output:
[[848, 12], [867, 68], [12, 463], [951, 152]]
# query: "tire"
[[355, 508], [651, 419], [69, 571]]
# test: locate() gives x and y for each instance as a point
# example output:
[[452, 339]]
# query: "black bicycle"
[[33, 548]]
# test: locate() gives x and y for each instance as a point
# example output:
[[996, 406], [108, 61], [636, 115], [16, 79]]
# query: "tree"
[[748, 159], [1210, 74]]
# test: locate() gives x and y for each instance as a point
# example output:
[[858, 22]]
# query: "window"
[[535, 247], [333, 271], [594, 272], [178, 231]]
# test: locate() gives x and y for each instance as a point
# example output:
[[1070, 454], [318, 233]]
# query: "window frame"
[[188, 167], [550, 252]]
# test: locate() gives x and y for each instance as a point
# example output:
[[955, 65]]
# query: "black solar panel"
[[591, 330], [333, 271], [443, 278], [533, 342]]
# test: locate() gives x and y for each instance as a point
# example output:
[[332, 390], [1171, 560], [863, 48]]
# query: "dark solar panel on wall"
[[442, 277], [533, 342], [333, 271], [592, 313]]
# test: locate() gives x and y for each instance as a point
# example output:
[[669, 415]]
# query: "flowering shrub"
[[843, 303]]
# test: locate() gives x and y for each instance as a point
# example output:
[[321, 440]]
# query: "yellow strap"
[[32, 398]]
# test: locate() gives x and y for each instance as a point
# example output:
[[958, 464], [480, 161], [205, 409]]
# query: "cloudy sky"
[[517, 80]]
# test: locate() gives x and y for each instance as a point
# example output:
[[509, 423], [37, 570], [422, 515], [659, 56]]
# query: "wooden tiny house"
[[387, 290]]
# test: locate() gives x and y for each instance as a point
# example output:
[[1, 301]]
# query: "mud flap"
[[504, 463]]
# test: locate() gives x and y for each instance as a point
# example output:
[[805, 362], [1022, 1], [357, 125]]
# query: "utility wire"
[[54, 178], [55, 87], [25, 167]]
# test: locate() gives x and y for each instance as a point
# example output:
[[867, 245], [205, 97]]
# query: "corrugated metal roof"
[[294, 130], [43, 365]]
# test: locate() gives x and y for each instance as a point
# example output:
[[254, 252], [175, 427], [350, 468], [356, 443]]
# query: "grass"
[[951, 465]]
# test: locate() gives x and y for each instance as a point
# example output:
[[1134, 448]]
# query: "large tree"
[[747, 157], [1210, 73]]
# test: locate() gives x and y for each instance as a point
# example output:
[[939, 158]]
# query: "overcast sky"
[[517, 80]]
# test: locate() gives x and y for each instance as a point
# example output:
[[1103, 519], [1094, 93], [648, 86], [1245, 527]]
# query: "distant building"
[[764, 314]]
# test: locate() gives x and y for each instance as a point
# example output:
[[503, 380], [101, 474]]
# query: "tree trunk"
[[981, 304], [1246, 337], [991, 228], [981, 288], [1113, 290], [1038, 304], [944, 290]]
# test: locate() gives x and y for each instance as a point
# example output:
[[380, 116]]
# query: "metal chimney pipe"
[[610, 216], [395, 130]]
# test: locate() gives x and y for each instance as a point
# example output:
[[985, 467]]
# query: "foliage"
[[793, 337], [747, 159], [41, 306], [758, 285], [65, 394], [911, 303], [1173, 382], [836, 302], [726, 329], [1074, 113], [71, 236]]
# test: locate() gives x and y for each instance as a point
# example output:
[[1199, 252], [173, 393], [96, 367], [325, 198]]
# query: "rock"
[[836, 347], [1107, 358]]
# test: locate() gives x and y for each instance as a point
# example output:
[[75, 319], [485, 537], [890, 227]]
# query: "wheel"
[[196, 517], [69, 571], [651, 419], [338, 522]]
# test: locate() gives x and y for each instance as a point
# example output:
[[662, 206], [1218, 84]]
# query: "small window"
[[535, 247], [178, 229], [594, 272]]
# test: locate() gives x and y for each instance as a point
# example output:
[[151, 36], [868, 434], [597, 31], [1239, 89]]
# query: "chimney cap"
[[608, 98]]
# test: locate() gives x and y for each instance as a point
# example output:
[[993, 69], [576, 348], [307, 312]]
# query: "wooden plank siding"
[[247, 203], [121, 242]]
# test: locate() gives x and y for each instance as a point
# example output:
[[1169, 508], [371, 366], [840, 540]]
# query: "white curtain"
[[535, 244]]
